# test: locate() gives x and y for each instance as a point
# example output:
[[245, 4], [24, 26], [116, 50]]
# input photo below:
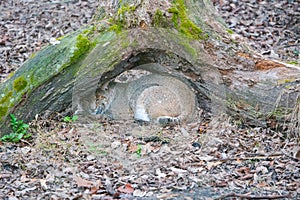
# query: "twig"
[[26, 142], [247, 158], [254, 197]]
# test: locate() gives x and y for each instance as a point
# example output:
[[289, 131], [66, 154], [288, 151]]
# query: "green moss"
[[32, 55], [182, 23], [159, 19], [119, 22], [3, 111], [83, 45], [283, 81], [293, 63], [117, 28], [124, 9], [60, 38], [175, 17], [279, 112], [10, 74], [6, 98], [230, 31], [20, 83], [87, 31]]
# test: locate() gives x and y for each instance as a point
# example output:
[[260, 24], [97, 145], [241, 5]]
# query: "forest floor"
[[109, 160]]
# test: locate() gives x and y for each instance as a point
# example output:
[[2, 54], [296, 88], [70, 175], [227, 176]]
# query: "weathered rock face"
[[182, 42]]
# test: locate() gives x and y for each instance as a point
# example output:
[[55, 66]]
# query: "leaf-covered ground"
[[104, 160]]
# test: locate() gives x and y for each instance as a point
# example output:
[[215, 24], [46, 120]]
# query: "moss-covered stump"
[[186, 39]]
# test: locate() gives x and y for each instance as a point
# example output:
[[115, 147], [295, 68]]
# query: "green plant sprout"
[[69, 119], [139, 150], [19, 130]]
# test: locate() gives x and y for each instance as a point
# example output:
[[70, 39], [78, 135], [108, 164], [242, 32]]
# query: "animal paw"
[[140, 114], [99, 110]]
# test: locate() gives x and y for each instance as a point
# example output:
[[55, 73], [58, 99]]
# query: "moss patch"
[[124, 9], [20, 83], [159, 20], [230, 31], [83, 44], [120, 21], [117, 28], [182, 22], [6, 97], [279, 112], [3, 111], [293, 63]]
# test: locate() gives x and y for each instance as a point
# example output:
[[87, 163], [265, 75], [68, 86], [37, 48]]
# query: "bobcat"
[[152, 97]]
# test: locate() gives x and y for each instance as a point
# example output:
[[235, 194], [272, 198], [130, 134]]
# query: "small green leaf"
[[74, 118], [67, 119], [139, 150], [19, 130], [27, 136]]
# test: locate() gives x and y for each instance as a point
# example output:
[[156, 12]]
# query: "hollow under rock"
[[148, 93]]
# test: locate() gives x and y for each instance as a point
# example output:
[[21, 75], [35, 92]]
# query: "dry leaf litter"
[[109, 160]]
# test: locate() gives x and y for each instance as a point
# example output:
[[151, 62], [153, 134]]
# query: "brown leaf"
[[133, 148], [212, 164], [247, 176], [261, 184], [126, 189], [82, 182], [94, 190], [244, 170]]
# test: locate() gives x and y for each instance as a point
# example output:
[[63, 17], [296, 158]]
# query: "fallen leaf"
[[126, 189], [261, 169], [43, 184], [82, 182], [212, 164], [244, 170], [246, 177], [94, 190], [23, 178], [133, 148], [177, 170], [139, 193], [261, 184], [159, 174]]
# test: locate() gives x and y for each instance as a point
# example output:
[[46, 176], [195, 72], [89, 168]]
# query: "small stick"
[[247, 158], [254, 197]]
